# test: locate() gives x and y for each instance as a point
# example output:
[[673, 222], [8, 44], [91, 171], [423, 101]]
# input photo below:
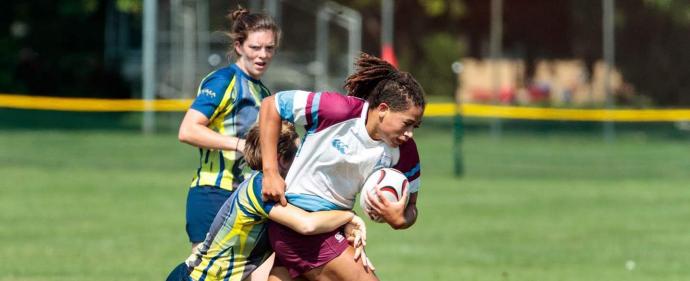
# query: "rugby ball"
[[392, 184]]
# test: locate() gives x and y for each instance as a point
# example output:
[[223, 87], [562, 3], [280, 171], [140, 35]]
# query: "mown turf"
[[104, 205]]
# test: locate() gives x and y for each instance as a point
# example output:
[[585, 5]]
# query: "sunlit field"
[[109, 205]]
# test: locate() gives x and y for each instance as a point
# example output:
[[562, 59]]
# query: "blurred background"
[[92, 48], [555, 146]]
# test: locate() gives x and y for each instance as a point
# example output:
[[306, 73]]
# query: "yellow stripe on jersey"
[[226, 97], [256, 94], [212, 167], [220, 114], [257, 202], [209, 169], [230, 248]]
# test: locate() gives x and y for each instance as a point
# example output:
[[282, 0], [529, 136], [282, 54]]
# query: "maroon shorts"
[[301, 253]]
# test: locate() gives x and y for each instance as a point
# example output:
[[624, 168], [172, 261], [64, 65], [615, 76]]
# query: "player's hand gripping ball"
[[392, 184]]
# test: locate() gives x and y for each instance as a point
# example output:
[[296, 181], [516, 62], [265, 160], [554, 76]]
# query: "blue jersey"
[[237, 242], [230, 99]]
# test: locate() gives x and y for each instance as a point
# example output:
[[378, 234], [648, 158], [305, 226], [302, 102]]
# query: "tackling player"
[[237, 242]]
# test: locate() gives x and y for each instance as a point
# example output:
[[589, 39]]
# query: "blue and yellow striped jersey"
[[237, 242], [230, 99]]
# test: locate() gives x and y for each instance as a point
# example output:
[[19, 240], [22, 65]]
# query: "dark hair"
[[377, 81], [287, 148], [244, 22]]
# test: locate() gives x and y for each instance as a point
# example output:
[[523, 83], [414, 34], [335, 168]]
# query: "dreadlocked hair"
[[377, 81]]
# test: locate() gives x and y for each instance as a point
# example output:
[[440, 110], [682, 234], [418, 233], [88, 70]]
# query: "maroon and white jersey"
[[337, 154]]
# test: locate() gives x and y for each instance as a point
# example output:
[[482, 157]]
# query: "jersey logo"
[[339, 237], [339, 146], [208, 92]]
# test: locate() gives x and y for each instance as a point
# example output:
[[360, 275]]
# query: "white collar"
[[360, 129]]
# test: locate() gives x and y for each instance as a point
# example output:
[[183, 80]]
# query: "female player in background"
[[347, 138], [226, 106]]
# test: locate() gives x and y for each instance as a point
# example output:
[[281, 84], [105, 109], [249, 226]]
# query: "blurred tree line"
[[57, 47], [652, 39]]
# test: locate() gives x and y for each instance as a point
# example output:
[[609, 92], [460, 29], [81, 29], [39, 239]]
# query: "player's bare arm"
[[270, 124], [194, 130], [309, 223]]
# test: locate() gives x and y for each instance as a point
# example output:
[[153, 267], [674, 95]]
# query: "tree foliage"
[[56, 47], [651, 38]]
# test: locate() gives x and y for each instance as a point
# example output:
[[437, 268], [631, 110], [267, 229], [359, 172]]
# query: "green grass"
[[110, 206]]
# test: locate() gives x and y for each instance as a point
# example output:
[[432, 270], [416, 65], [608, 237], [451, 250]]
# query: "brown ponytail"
[[244, 22], [236, 14]]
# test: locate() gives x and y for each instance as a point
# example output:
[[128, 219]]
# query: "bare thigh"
[[279, 273], [261, 272], [342, 268]]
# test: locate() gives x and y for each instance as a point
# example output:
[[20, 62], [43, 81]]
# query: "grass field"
[[90, 205]]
